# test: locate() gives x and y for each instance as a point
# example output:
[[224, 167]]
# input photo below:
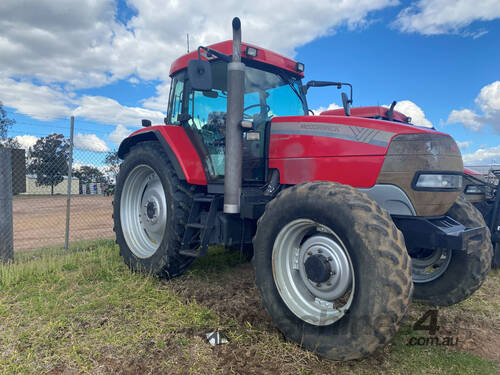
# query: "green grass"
[[83, 311]]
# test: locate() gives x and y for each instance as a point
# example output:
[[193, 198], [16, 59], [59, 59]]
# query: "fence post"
[[6, 222], [70, 177]]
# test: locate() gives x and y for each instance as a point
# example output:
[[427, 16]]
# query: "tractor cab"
[[378, 113], [272, 89]]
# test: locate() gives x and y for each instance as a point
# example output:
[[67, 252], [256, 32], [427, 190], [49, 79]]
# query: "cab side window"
[[176, 99], [207, 110]]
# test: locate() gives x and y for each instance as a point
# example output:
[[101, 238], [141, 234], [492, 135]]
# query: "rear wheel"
[[332, 269], [444, 277], [150, 209]]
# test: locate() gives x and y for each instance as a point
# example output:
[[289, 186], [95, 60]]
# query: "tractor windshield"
[[279, 92], [267, 94]]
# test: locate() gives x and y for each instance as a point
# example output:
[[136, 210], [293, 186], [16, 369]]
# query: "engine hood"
[[362, 152], [320, 136]]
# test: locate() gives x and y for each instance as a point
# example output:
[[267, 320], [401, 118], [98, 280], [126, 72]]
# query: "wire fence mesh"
[[40, 187]]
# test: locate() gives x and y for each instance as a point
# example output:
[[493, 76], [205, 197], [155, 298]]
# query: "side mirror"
[[200, 75], [346, 103]]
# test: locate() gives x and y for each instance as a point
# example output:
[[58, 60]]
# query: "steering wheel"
[[247, 116]]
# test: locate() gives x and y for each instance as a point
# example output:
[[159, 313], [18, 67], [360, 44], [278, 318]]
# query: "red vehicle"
[[347, 215]]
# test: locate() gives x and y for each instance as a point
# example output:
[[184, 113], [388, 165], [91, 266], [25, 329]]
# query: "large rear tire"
[[458, 275], [150, 209], [332, 269]]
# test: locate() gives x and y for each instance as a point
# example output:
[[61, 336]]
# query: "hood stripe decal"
[[339, 131]]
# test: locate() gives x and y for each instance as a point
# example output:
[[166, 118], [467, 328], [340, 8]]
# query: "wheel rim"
[[318, 298], [143, 211], [429, 264]]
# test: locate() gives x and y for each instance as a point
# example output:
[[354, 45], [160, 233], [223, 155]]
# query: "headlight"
[[437, 181]]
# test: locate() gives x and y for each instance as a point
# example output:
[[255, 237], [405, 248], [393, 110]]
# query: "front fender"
[[178, 147]]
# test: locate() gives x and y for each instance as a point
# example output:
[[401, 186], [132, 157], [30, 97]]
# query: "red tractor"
[[348, 216]]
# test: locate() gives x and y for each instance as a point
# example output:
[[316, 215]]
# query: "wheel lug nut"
[[320, 251], [333, 273], [309, 253], [318, 284], [328, 283], [329, 259]]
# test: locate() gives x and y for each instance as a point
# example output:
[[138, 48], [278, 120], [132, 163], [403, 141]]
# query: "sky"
[[107, 62]]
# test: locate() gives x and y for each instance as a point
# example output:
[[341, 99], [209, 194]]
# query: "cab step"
[[195, 228]]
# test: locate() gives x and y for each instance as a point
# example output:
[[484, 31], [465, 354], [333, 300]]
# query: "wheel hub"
[[429, 264], [150, 210], [325, 269], [318, 269]]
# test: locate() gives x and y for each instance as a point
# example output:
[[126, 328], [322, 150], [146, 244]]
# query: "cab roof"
[[369, 112], [263, 56]]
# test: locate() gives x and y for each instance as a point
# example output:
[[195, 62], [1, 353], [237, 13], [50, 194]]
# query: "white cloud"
[[464, 145], [83, 44], [489, 97], [119, 134], [482, 156], [430, 17], [160, 101], [40, 102], [62, 45], [488, 101], [26, 141], [466, 117], [322, 109], [109, 111], [410, 109], [90, 142], [58, 40]]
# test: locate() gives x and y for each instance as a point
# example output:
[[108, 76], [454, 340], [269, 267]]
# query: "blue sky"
[[108, 63]]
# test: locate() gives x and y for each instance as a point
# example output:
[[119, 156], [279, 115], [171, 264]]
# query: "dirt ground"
[[40, 221]]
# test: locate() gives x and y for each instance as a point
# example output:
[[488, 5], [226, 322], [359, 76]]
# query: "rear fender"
[[178, 147]]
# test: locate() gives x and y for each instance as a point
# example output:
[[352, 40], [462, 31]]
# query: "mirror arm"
[[211, 51], [326, 83]]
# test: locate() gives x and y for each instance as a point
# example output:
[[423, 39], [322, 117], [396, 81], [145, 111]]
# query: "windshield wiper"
[[294, 89]]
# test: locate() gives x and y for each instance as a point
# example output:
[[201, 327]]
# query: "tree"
[[113, 161], [87, 174], [49, 160], [5, 124]]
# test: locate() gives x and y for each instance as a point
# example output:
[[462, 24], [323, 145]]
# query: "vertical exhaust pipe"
[[234, 151]]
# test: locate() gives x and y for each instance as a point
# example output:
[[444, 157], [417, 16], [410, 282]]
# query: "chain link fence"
[[46, 192]]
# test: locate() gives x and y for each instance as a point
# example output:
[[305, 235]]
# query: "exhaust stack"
[[235, 93]]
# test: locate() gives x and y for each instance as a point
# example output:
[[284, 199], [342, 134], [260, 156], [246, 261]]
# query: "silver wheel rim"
[[322, 303], [143, 211], [430, 267]]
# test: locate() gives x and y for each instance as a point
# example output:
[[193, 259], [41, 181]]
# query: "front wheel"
[[332, 269], [444, 277]]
